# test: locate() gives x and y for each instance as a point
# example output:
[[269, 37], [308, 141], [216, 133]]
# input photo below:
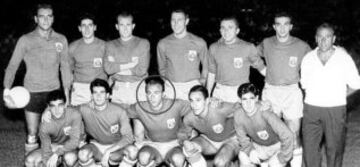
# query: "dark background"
[[152, 18]]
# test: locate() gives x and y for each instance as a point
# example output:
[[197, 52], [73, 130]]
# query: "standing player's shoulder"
[[59, 36], [73, 45], [196, 39], [143, 41], [166, 39], [300, 42]]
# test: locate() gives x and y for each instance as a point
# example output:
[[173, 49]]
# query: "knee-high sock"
[[195, 158], [296, 161]]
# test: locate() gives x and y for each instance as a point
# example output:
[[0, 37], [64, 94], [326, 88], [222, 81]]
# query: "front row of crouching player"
[[172, 131]]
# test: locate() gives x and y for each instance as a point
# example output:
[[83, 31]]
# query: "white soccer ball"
[[20, 96]]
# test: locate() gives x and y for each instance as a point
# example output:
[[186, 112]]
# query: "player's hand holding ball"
[[17, 97]]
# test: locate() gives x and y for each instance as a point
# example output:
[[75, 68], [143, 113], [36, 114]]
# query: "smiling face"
[[197, 102], [229, 30], [179, 22], [154, 95], [44, 19], [87, 28], [125, 26], [99, 96], [248, 102], [57, 108]]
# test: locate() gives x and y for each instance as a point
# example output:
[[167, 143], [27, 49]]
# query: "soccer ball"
[[19, 96]]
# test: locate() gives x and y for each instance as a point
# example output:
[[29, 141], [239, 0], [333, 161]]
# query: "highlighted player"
[[215, 124], [283, 54], [179, 56], [230, 59], [127, 61], [156, 122], [86, 60], [264, 137], [43, 51], [60, 137]]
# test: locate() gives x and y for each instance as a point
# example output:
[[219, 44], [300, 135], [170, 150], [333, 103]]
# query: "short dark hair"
[[87, 16], [55, 95], [100, 83], [283, 14], [201, 89], [232, 18], [180, 10], [125, 14], [247, 88], [326, 26], [43, 6], [153, 80]]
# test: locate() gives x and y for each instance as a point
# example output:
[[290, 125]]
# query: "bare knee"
[[221, 161], [131, 152], [85, 154], [177, 159], [145, 156], [33, 159], [70, 158]]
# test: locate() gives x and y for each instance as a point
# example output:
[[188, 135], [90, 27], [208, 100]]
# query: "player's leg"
[[227, 153], [88, 155], [175, 157], [125, 157], [148, 157], [245, 160], [312, 132], [33, 159], [206, 147]]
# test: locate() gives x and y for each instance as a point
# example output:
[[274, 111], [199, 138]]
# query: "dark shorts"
[[37, 103]]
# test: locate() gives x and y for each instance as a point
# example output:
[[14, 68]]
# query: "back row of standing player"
[[179, 55]]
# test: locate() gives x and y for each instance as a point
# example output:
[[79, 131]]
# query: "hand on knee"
[[131, 152], [145, 158], [177, 159], [85, 157], [245, 160], [220, 162]]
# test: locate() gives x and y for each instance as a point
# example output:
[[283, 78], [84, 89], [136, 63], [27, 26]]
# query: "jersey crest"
[[264, 135], [192, 55], [114, 129], [111, 58], [59, 46], [218, 128], [171, 123], [97, 62], [293, 61], [238, 62], [67, 130]]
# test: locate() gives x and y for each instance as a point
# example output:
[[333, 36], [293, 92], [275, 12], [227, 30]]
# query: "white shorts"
[[80, 93], [101, 147], [226, 93], [286, 101], [231, 141], [125, 92], [181, 88], [267, 154], [162, 147]]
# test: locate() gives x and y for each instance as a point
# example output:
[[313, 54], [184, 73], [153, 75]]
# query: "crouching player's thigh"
[[33, 159], [148, 156]]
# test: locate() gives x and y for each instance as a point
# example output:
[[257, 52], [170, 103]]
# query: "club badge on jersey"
[[114, 128], [67, 130], [59, 47], [171, 123], [238, 62], [218, 128], [97, 62], [192, 54], [111, 58], [293, 61], [263, 135]]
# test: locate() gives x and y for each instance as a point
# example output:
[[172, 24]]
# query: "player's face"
[[248, 102], [57, 108], [87, 28], [282, 27], [325, 39], [179, 22], [44, 19], [197, 102], [228, 30], [154, 95], [99, 95], [125, 26]]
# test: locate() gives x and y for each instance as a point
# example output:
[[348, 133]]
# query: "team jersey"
[[119, 52], [42, 57], [109, 126], [263, 128], [163, 127], [66, 130], [283, 60], [86, 60], [179, 59], [217, 125], [231, 62]]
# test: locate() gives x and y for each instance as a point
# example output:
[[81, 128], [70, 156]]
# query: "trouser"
[[323, 121]]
